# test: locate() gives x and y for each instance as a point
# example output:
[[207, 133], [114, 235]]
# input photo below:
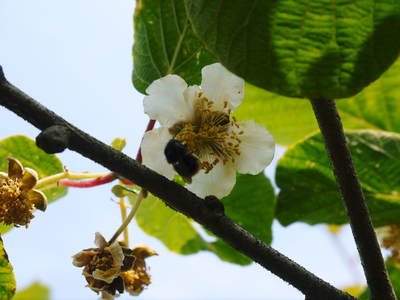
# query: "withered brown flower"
[[18, 199], [114, 268], [389, 238], [103, 266], [137, 278]]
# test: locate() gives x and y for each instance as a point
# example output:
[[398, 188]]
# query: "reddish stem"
[[149, 127], [108, 178], [88, 183]]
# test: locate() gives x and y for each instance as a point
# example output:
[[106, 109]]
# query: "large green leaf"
[[376, 107], [394, 274], [250, 204], [36, 291], [308, 191], [25, 150], [7, 280], [170, 227], [318, 48], [165, 44]]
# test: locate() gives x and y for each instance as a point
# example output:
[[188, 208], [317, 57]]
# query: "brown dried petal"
[[82, 258], [15, 168], [37, 198], [143, 251], [29, 179], [100, 241]]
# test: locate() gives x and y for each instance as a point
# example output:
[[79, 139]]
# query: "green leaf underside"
[[36, 291], [376, 107], [174, 229], [7, 280], [251, 204], [308, 191], [165, 44], [394, 274], [25, 150], [320, 48]]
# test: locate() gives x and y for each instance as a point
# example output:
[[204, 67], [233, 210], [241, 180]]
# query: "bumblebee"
[[184, 163]]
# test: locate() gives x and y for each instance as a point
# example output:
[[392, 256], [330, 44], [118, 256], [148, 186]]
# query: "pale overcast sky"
[[75, 57]]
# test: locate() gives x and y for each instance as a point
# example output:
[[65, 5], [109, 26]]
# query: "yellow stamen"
[[209, 136]]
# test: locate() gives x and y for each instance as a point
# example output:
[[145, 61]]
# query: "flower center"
[[9, 190], [102, 261], [212, 135]]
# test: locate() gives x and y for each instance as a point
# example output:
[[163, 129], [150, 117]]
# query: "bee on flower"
[[109, 269], [18, 199], [198, 120]]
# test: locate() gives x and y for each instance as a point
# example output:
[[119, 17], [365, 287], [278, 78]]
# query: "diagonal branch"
[[207, 213], [352, 194]]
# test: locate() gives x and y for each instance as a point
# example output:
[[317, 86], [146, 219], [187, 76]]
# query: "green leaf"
[[7, 280], [308, 191], [170, 227], [394, 274], [250, 204], [321, 48], [25, 150], [36, 291], [122, 191], [288, 120], [165, 44]]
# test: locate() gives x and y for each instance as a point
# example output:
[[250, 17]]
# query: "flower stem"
[[88, 183], [150, 126], [98, 180], [57, 177], [123, 217], [350, 189], [142, 195]]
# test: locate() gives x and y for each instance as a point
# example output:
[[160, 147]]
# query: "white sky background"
[[75, 58]]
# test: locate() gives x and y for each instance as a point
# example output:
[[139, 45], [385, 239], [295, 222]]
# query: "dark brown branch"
[[207, 213], [357, 210]]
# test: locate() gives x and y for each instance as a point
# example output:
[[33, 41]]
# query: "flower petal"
[[218, 182], [15, 168], [152, 147], [82, 258], [257, 148], [166, 102], [29, 179], [116, 253], [114, 271], [220, 85], [99, 240], [37, 198]]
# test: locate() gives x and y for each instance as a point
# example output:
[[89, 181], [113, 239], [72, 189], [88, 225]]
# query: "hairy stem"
[[174, 195], [350, 189], [142, 195]]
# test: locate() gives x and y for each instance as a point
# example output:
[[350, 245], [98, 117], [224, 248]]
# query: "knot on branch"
[[54, 139], [215, 205]]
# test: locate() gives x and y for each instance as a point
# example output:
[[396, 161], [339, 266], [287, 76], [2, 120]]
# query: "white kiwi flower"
[[200, 117]]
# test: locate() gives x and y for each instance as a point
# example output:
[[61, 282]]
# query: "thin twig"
[[357, 210]]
